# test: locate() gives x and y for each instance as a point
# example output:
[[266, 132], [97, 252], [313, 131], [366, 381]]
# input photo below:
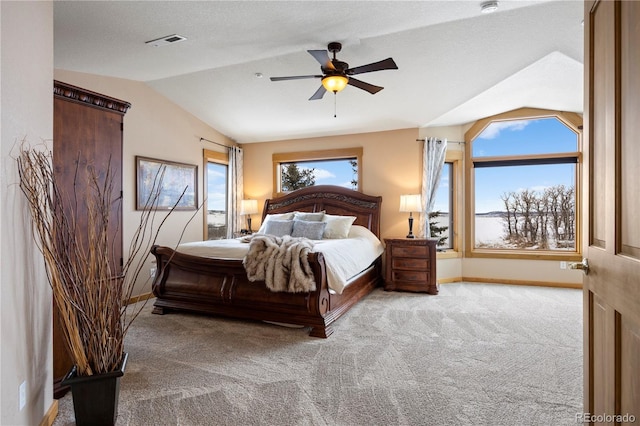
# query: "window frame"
[[573, 121], [328, 154], [212, 157], [455, 158]]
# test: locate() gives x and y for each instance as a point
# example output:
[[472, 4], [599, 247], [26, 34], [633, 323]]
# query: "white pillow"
[[278, 216], [337, 226]]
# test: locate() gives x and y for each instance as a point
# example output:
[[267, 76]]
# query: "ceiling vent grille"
[[165, 41]]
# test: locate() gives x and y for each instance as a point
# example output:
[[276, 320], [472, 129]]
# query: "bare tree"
[[567, 211], [552, 195], [506, 199], [532, 217]]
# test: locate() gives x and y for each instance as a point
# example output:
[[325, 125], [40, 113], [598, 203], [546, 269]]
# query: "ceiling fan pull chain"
[[335, 104]]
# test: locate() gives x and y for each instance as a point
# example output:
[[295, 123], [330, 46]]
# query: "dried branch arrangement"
[[89, 289]]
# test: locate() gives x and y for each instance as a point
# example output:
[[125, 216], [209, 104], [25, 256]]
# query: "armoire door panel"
[[94, 145]]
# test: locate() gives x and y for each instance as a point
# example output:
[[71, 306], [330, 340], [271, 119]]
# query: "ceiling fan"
[[336, 75]]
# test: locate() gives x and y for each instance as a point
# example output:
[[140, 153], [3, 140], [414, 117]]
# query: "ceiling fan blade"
[[295, 77], [364, 86], [319, 94], [385, 64], [322, 56]]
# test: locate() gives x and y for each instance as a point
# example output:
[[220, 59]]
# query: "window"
[[523, 180], [216, 181], [441, 220], [294, 170], [447, 221]]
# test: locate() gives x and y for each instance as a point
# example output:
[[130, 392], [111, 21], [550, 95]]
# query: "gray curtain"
[[433, 157], [236, 191]]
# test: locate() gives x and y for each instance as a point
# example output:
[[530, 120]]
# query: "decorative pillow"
[[337, 226], [279, 228], [278, 216], [310, 217], [308, 229]]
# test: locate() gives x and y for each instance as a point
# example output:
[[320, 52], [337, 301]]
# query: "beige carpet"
[[476, 354]]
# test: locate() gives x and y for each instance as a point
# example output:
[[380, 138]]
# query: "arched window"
[[523, 181]]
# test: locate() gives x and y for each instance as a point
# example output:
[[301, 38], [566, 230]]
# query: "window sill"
[[448, 254], [522, 254]]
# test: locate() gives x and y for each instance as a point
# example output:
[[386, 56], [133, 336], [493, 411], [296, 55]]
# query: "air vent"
[[164, 41]]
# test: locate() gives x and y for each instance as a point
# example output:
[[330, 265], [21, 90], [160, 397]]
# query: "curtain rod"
[[422, 140], [217, 143]]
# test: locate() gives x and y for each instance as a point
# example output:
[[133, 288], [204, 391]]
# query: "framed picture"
[[170, 179]]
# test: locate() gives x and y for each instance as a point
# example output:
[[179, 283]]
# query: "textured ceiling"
[[455, 64]]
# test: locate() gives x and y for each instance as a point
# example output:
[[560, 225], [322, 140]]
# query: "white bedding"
[[345, 258]]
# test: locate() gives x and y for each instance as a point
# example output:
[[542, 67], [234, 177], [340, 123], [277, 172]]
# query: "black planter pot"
[[95, 398]]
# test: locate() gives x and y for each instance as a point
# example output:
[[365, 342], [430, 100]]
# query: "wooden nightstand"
[[411, 265]]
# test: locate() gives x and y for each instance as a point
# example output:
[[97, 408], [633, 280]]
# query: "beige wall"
[[25, 297], [519, 271], [390, 167], [154, 127]]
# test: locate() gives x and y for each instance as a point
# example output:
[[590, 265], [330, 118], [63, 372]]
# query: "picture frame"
[[177, 177]]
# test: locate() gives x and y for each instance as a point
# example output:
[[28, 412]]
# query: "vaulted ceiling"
[[455, 64]]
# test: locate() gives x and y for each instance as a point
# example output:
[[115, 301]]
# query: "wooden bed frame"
[[221, 287]]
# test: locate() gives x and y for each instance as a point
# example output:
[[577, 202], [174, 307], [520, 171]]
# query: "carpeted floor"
[[476, 354]]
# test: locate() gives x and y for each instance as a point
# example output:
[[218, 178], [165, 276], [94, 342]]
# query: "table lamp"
[[410, 203], [248, 207]]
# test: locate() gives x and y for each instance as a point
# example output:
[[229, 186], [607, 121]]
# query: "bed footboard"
[[221, 287]]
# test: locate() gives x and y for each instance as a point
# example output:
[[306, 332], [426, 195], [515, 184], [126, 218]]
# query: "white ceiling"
[[455, 64]]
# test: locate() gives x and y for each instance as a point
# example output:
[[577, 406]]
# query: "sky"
[[521, 137], [442, 196], [216, 186], [499, 138], [332, 172]]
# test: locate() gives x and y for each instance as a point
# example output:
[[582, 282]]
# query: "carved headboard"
[[335, 200]]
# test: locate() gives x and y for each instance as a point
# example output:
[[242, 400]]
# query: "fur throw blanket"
[[281, 262]]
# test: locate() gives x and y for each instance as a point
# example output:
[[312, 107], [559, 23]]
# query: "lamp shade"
[[410, 203], [248, 206], [335, 83]]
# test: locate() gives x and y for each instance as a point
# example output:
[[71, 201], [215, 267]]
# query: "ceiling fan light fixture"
[[335, 83]]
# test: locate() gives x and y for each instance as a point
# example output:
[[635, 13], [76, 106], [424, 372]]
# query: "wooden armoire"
[[87, 132]]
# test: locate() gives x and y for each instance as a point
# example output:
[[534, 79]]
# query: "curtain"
[[433, 156], [235, 192]]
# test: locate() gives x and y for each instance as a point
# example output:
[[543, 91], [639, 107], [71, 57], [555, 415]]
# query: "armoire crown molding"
[[97, 100]]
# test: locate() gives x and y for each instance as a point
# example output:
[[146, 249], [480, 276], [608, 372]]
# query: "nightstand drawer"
[[421, 276], [410, 251], [415, 286], [413, 264]]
